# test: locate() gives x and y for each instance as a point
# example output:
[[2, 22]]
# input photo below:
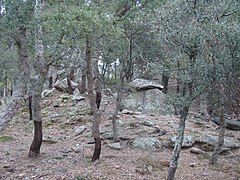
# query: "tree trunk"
[[13, 106], [97, 83], [98, 99], [70, 89], [165, 79], [178, 144], [103, 74], [38, 82], [93, 105], [30, 107], [114, 117], [129, 66], [83, 84], [218, 147], [50, 85], [52, 77], [70, 78], [203, 106], [37, 139], [117, 109]]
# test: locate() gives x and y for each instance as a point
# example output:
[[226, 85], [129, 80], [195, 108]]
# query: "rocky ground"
[[143, 153]]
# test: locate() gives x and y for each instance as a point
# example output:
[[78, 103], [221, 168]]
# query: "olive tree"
[[192, 33]]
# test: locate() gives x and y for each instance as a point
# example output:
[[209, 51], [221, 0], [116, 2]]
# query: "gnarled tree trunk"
[[70, 77], [38, 82], [92, 99], [83, 82], [178, 144], [165, 79], [117, 108], [218, 147], [96, 79], [12, 107]]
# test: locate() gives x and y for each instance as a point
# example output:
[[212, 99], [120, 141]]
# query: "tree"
[[93, 104], [15, 20], [83, 26], [191, 41], [41, 71]]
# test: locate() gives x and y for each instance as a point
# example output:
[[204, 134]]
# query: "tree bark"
[[203, 106], [70, 77], [13, 106], [50, 85], [218, 147], [30, 107], [97, 82], [178, 144], [165, 79], [83, 84], [41, 70], [37, 139], [93, 105], [117, 109], [70, 89]]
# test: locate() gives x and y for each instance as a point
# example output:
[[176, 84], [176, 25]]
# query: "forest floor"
[[65, 154]]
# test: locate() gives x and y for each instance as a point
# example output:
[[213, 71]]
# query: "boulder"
[[125, 111], [231, 124], [229, 142], [149, 101], [76, 96], [65, 97], [196, 150], [77, 148], [56, 115], [188, 141], [146, 143], [80, 130], [116, 146], [47, 92], [143, 84], [61, 85]]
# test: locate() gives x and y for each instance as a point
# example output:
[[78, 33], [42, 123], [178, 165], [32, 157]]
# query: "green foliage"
[[200, 47]]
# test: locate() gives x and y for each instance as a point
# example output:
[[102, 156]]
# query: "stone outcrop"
[[143, 84], [61, 85], [231, 124], [148, 101], [146, 143]]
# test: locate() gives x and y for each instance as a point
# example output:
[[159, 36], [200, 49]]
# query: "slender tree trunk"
[[117, 109], [129, 70], [108, 72], [97, 82], [218, 147], [50, 77], [83, 83], [98, 99], [70, 78], [103, 74], [37, 138], [115, 70], [203, 106], [13, 106], [178, 144], [30, 107], [165, 79], [93, 105], [70, 89], [50, 85], [114, 117], [38, 82]]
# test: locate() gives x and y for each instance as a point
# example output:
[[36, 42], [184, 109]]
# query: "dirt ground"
[[65, 155]]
